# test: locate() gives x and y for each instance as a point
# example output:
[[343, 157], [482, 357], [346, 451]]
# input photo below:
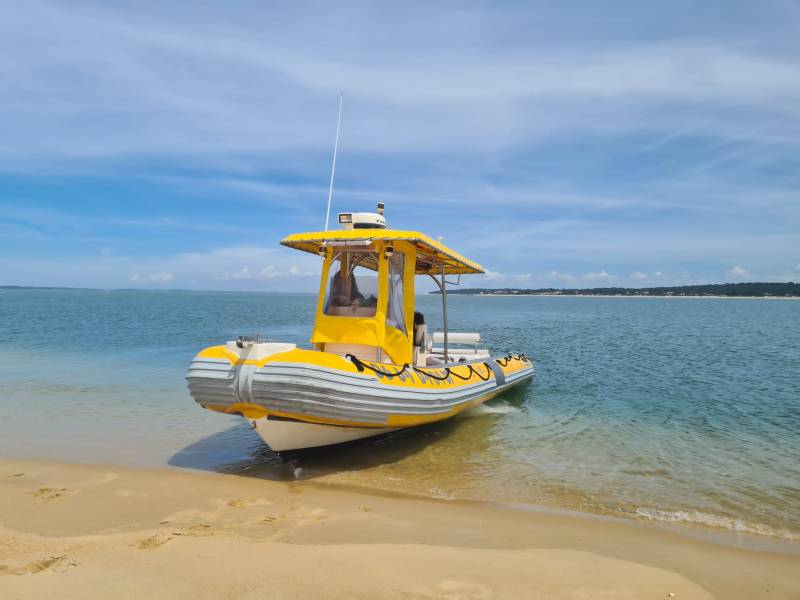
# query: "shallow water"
[[681, 410]]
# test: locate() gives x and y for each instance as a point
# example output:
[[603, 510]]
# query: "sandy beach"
[[71, 531]]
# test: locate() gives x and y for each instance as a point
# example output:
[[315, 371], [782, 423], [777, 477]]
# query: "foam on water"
[[440, 494], [695, 517], [493, 409]]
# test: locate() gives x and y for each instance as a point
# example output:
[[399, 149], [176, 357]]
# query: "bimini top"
[[431, 255]]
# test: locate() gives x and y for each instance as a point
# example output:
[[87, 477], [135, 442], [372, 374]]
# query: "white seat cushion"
[[457, 338]]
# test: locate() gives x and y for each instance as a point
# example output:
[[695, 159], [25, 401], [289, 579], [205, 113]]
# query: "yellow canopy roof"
[[431, 255]]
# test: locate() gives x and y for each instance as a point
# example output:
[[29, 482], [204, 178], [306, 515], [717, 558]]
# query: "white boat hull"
[[281, 435]]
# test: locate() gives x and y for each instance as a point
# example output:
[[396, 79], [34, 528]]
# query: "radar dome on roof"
[[362, 220]]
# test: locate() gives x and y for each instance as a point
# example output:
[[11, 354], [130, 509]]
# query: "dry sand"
[[72, 531]]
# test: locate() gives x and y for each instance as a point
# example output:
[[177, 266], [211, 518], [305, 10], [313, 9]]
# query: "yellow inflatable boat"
[[374, 367]]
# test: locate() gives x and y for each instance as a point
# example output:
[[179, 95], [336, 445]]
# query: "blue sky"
[[568, 145]]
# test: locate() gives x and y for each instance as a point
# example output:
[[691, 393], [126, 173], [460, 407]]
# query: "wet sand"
[[75, 531]]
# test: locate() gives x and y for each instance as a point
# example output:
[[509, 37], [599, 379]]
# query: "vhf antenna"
[[333, 167]]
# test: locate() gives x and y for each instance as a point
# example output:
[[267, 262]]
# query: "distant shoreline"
[[749, 290], [650, 297]]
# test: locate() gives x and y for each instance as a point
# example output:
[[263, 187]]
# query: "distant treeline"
[[718, 289]]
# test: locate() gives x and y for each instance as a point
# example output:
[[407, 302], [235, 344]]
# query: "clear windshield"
[[396, 307], [352, 289]]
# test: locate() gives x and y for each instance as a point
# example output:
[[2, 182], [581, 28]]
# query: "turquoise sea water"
[[669, 409]]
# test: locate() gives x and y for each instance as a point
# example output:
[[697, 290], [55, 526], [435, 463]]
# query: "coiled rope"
[[361, 365], [509, 357], [471, 371]]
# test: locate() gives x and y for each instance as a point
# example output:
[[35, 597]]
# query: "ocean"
[[665, 409]]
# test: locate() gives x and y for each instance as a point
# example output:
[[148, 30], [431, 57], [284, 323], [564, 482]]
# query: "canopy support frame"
[[442, 285]]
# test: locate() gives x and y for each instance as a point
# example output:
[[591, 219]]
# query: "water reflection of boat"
[[374, 367]]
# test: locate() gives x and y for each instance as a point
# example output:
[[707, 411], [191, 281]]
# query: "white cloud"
[[599, 276], [738, 271], [511, 279], [166, 91], [267, 272], [657, 274], [557, 275], [270, 272], [651, 242], [213, 269], [160, 277], [639, 276]]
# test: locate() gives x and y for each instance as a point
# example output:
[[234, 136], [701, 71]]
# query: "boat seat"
[[421, 337], [454, 340], [456, 343], [457, 338], [420, 330]]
